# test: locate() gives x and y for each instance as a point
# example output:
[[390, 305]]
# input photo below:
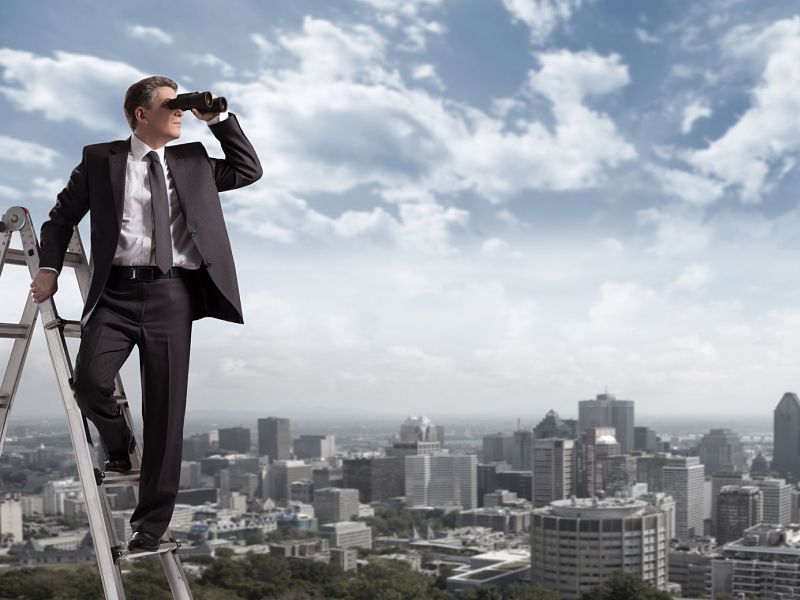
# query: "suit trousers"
[[156, 316]]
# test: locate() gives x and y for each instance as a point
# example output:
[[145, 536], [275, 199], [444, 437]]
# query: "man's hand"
[[205, 116], [44, 285]]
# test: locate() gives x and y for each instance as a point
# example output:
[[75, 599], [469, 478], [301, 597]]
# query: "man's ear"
[[139, 113]]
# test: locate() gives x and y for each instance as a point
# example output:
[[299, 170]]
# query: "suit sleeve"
[[241, 166], [71, 206]]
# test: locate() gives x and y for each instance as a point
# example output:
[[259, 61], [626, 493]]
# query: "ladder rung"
[[13, 330], [15, 256], [121, 400], [111, 478], [70, 328], [164, 547]]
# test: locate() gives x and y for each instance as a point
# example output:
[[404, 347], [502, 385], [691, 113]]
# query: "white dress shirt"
[[135, 244]]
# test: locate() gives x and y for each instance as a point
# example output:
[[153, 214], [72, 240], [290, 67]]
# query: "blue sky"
[[489, 206]]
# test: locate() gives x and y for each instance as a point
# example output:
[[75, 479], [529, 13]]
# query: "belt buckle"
[[142, 273]]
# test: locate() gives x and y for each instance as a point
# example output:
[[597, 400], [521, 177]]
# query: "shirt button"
[[208, 264], [193, 233]]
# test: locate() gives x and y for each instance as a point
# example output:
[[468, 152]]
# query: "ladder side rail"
[[14, 220], [59, 355]]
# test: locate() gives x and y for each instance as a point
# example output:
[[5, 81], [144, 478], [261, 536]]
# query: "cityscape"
[[559, 506]]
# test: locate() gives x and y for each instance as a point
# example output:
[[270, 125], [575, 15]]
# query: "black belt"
[[146, 273]]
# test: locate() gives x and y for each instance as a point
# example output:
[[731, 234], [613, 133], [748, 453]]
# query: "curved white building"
[[579, 543]]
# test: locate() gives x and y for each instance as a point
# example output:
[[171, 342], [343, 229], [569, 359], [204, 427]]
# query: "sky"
[[468, 206]]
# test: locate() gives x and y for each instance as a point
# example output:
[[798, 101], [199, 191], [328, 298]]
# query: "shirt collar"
[[139, 149]]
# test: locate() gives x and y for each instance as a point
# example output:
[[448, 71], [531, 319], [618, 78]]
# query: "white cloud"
[[150, 34], [694, 277], [676, 231], [696, 109], [46, 189], [26, 153], [9, 193], [646, 37], [693, 188], [76, 87], [210, 60], [427, 72], [768, 131], [410, 18], [542, 16]]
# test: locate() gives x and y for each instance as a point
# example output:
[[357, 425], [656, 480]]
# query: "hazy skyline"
[[499, 206]]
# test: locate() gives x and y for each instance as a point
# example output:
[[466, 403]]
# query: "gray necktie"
[[160, 204]]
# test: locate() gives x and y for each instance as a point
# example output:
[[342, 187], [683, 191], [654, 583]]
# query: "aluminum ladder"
[[108, 549]]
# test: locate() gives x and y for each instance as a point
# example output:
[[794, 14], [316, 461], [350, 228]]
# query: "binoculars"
[[202, 101]]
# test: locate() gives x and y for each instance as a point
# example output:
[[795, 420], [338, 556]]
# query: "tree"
[[625, 586], [525, 591]]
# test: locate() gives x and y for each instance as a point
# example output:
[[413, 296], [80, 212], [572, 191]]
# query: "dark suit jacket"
[[97, 184]]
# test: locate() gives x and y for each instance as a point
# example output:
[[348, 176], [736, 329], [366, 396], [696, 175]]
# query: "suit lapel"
[[175, 164], [117, 163]]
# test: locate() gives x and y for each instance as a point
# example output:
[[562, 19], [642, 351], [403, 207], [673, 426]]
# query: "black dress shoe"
[[119, 464], [141, 541]]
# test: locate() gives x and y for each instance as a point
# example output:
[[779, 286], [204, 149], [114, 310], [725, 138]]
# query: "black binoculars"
[[202, 101]]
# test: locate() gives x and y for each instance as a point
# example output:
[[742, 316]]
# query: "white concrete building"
[[765, 563], [441, 480], [335, 504], [579, 543], [347, 534], [10, 520], [684, 480]]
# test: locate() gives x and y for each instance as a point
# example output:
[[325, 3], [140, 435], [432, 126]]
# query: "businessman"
[[160, 259]]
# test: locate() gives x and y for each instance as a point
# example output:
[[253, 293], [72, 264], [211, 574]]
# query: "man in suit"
[[160, 259]]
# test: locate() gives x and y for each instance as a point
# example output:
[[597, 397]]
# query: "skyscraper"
[[606, 411], [497, 447], [441, 480], [522, 450], [378, 478], [596, 444], [738, 508], [684, 478], [786, 459], [315, 446], [553, 470], [720, 450], [553, 426], [235, 439], [274, 438]]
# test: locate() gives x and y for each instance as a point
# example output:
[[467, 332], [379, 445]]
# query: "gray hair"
[[142, 93]]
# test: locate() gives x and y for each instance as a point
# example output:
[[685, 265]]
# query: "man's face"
[[162, 121]]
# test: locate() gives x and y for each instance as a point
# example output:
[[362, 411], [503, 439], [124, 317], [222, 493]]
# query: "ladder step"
[[16, 256], [13, 330], [70, 328], [111, 479], [121, 400], [170, 546]]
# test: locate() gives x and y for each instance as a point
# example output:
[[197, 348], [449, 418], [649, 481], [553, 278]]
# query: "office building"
[[619, 473], [443, 480], [684, 478], [274, 438], [579, 543], [764, 563], [376, 479], [519, 482], [738, 508], [786, 433], [606, 411], [721, 451], [522, 450], [596, 444], [234, 439], [497, 448], [56, 492], [315, 446], [347, 534], [10, 520], [645, 440], [335, 504], [280, 476], [777, 496], [553, 470], [553, 426]]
